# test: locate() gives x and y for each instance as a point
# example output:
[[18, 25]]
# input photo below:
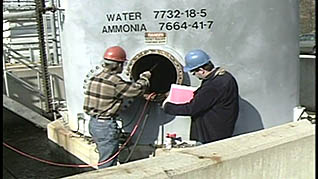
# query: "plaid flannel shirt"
[[105, 93]]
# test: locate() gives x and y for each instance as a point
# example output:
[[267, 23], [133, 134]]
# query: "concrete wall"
[[286, 151]]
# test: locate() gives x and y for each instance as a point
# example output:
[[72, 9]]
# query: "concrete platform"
[[25, 112], [285, 151], [58, 132]]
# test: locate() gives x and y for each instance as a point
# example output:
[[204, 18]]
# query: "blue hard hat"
[[195, 59]]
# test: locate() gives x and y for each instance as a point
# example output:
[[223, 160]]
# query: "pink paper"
[[180, 94]]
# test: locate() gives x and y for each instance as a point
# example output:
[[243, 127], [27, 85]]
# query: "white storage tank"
[[255, 40]]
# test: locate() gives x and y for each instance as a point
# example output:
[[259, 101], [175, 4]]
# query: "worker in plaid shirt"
[[103, 99]]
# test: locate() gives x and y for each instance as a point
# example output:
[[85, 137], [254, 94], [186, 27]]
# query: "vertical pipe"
[[31, 54], [5, 73], [162, 134], [60, 27], [43, 57], [53, 33], [46, 39], [39, 87], [53, 101], [58, 5]]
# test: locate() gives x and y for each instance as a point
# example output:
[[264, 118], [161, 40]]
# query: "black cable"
[[137, 139], [76, 131], [301, 115], [309, 118]]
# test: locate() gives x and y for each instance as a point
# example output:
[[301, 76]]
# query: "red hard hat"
[[115, 53]]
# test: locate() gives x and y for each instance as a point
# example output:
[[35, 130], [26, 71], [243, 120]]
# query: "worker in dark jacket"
[[103, 99], [215, 105]]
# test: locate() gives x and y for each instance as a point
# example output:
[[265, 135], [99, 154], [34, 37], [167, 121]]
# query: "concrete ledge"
[[58, 133], [286, 151], [25, 112]]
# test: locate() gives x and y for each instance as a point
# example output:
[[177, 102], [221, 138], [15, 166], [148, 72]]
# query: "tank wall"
[[257, 41]]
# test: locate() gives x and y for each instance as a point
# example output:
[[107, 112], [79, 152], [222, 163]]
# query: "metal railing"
[[20, 47]]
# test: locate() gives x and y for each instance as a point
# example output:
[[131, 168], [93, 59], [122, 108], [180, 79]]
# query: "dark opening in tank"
[[163, 72]]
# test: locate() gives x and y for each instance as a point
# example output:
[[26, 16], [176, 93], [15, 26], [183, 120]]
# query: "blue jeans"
[[105, 134]]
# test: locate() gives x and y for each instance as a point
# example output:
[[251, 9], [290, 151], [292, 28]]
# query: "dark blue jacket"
[[213, 109]]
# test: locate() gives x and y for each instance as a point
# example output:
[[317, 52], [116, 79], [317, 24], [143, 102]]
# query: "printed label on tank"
[[164, 19], [155, 38]]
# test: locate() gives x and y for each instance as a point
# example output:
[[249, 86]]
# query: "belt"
[[105, 118]]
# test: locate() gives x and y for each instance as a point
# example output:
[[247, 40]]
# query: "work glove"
[[145, 75]]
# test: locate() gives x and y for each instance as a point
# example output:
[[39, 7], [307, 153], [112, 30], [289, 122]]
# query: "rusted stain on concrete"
[[292, 125], [127, 171], [215, 157], [169, 172]]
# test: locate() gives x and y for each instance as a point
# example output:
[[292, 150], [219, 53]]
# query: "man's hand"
[[145, 75]]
